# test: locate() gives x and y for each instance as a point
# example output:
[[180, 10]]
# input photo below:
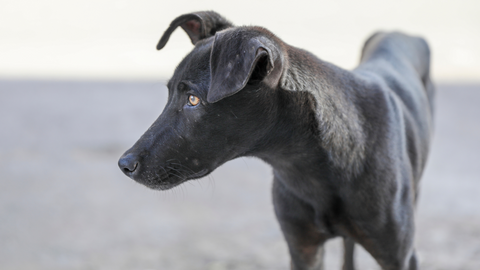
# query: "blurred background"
[[80, 81]]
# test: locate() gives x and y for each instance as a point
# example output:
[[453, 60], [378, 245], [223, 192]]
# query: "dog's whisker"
[[180, 171], [163, 169], [174, 172], [245, 162], [185, 168], [200, 183], [211, 181]]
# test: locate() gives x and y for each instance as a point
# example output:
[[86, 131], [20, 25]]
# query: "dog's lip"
[[198, 174], [169, 185]]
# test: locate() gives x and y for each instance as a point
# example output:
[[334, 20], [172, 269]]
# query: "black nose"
[[128, 164]]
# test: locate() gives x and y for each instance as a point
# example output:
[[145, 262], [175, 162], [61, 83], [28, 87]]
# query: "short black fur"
[[347, 148]]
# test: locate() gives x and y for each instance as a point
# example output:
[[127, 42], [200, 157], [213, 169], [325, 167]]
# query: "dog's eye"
[[193, 100]]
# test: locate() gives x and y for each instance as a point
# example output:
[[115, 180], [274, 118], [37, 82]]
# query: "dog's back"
[[400, 65], [396, 55]]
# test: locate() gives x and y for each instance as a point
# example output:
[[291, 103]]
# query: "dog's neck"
[[341, 135], [291, 145]]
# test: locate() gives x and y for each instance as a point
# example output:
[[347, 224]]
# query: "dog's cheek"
[[210, 135], [191, 134], [208, 149]]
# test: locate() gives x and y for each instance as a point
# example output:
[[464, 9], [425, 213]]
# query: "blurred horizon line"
[[463, 82]]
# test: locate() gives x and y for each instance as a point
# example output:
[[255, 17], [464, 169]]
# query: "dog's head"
[[220, 104]]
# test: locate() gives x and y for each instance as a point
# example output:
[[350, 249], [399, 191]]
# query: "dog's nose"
[[128, 164]]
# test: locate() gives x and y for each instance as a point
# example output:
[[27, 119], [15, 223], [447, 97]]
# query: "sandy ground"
[[64, 204]]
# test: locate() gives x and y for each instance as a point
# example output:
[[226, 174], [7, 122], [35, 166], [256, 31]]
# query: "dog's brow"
[[190, 84], [169, 84]]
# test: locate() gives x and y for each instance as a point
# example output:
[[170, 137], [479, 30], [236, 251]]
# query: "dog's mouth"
[[168, 177]]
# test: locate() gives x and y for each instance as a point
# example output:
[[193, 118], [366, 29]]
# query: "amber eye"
[[193, 100]]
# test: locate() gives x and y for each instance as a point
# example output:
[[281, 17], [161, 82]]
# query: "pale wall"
[[108, 39]]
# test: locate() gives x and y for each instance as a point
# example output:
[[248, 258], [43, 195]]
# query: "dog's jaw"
[[169, 179], [167, 186]]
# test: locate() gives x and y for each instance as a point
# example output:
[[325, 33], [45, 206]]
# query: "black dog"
[[347, 147]]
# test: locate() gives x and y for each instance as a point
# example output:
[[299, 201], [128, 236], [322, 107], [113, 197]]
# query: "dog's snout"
[[128, 164]]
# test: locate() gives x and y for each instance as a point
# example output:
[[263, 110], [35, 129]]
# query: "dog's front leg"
[[305, 241]]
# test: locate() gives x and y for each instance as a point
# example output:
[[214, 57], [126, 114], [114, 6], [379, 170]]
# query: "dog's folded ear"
[[239, 57], [198, 25]]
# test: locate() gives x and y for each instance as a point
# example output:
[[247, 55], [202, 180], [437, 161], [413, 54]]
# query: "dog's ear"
[[239, 57], [198, 25]]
